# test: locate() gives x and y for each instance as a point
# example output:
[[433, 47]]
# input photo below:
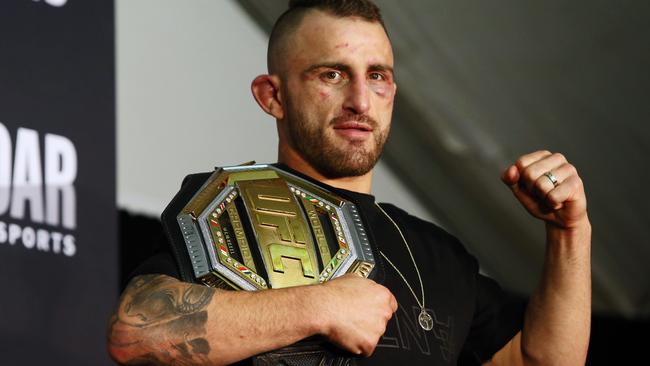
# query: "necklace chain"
[[412, 259]]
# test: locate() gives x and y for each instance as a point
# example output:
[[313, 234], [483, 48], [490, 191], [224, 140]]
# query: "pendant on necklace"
[[425, 320]]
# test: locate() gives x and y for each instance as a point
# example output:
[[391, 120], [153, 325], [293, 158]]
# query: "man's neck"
[[362, 183]]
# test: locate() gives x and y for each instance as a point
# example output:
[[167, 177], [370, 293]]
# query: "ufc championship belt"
[[258, 227]]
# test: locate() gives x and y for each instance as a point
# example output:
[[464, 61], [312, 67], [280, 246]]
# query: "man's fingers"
[[510, 176], [393, 303], [548, 186], [513, 173], [531, 173], [543, 185], [523, 196], [529, 159], [564, 192]]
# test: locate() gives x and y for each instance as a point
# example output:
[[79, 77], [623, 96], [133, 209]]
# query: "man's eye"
[[332, 75], [377, 76]]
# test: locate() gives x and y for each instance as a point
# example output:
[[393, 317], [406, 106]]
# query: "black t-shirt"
[[473, 317]]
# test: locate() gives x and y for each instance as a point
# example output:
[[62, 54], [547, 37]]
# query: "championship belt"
[[258, 227]]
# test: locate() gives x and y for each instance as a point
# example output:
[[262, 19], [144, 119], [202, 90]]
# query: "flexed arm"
[[558, 318]]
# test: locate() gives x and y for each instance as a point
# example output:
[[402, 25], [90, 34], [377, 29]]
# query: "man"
[[331, 89]]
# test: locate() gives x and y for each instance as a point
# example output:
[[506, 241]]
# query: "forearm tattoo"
[[161, 321]]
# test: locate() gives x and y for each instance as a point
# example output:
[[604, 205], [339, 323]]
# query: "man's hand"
[[357, 312], [561, 204]]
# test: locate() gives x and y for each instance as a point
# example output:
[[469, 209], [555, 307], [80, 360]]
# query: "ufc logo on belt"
[[283, 233]]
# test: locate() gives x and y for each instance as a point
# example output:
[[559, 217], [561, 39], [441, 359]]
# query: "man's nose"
[[357, 99]]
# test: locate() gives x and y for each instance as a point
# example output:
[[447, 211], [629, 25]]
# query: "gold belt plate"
[[257, 227]]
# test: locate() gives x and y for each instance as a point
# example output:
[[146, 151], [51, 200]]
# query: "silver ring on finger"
[[552, 178]]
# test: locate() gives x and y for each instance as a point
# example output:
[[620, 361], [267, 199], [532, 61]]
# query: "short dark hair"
[[291, 18]]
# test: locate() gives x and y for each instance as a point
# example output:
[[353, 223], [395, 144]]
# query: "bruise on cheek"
[[383, 90], [324, 94]]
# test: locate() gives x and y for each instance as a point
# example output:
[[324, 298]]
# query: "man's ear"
[[266, 90]]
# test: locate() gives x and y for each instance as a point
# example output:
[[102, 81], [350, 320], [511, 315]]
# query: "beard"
[[331, 159]]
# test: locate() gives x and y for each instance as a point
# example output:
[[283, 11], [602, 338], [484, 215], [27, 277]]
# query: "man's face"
[[338, 92]]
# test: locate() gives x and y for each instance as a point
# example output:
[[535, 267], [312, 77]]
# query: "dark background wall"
[[58, 229]]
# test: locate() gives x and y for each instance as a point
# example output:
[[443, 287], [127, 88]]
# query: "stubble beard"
[[331, 159]]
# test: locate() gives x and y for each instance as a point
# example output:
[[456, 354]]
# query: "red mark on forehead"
[[342, 45]]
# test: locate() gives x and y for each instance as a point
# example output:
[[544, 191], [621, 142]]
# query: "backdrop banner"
[[58, 230]]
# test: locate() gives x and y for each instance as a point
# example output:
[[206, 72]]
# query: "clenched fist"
[[355, 312], [549, 187]]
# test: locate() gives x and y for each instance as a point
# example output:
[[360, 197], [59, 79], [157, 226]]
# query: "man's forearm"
[[558, 317], [161, 320]]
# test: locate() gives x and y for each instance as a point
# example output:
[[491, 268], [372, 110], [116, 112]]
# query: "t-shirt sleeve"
[[497, 318]]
